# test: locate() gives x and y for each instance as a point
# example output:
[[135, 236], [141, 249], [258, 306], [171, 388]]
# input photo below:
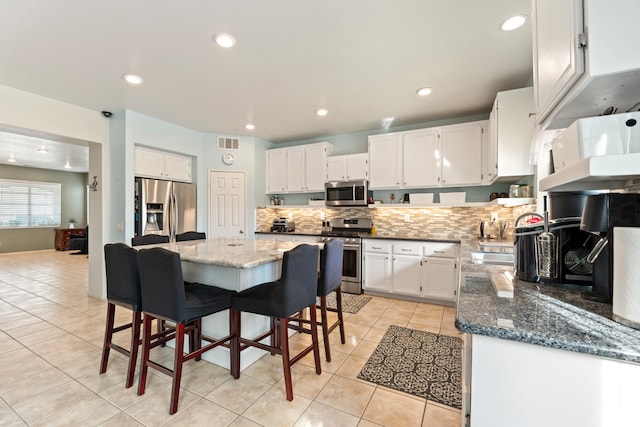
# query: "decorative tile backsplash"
[[450, 223]]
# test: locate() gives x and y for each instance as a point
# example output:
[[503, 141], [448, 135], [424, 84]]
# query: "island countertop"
[[229, 252], [544, 315]]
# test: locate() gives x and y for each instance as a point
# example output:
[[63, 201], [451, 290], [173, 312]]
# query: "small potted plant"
[[72, 223]]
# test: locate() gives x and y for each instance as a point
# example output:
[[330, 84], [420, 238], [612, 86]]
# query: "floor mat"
[[418, 362], [350, 303]]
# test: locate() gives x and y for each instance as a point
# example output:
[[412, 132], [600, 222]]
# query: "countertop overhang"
[[228, 252], [544, 315]]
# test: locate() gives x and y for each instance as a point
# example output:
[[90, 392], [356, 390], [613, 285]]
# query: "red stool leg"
[[146, 347], [108, 335], [177, 368]]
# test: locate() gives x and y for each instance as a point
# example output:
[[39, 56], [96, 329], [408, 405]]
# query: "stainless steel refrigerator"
[[164, 207]]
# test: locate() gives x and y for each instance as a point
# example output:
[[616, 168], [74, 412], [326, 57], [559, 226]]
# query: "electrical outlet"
[[323, 216], [407, 218], [494, 217]]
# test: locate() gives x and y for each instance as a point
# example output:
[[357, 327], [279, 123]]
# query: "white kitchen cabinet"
[[440, 272], [416, 269], [376, 266], [506, 154], [161, 165], [298, 169], [406, 268], [276, 171], [385, 161], [420, 160], [462, 154], [585, 58], [295, 170], [315, 164], [439, 278], [348, 167], [433, 157]]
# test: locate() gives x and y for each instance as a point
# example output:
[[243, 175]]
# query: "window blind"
[[29, 204]]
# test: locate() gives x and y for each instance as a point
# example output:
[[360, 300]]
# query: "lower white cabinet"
[[439, 278], [411, 268], [376, 266], [405, 268]]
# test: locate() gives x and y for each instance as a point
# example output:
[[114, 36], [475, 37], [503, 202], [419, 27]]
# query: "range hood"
[[596, 173]]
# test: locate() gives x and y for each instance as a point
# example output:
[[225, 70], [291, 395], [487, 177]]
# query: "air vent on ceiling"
[[228, 143]]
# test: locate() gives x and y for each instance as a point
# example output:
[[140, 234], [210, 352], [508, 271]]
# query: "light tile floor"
[[51, 335]]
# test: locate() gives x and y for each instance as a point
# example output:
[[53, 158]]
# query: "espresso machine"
[[603, 212]]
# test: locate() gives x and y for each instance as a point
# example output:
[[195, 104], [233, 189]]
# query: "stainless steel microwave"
[[347, 193]]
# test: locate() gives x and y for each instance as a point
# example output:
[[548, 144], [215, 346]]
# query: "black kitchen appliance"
[[573, 247], [282, 225], [603, 212]]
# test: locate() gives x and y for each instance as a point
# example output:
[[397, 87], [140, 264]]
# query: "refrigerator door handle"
[[174, 217]]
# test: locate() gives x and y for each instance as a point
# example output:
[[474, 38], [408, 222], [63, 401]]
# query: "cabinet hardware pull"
[[375, 247], [406, 250], [439, 252]]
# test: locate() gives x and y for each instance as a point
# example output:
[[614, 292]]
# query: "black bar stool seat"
[[329, 281], [294, 291], [166, 296], [123, 289]]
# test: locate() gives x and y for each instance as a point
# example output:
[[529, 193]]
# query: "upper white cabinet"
[[586, 58], [433, 157], [420, 160], [161, 165], [506, 156], [299, 169], [348, 167], [276, 170], [385, 160], [462, 153]]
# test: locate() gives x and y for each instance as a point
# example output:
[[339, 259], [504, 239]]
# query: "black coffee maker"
[[601, 213]]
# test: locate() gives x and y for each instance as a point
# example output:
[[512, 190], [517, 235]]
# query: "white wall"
[[35, 115]]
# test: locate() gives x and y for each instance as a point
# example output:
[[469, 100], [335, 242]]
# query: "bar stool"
[[166, 296], [292, 293], [149, 239], [329, 281], [123, 289], [190, 235]]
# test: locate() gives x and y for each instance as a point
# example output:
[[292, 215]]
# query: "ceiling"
[[361, 59]]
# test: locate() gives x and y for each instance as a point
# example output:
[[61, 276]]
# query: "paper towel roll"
[[626, 275]]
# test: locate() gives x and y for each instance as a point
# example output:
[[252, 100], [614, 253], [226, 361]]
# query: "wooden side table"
[[62, 237]]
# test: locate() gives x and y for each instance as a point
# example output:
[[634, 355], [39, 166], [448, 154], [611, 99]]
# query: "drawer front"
[[407, 249], [377, 246], [441, 250]]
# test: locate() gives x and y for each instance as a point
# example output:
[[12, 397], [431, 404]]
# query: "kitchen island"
[[545, 357], [235, 264]]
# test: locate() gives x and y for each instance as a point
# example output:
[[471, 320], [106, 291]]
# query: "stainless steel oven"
[[350, 231]]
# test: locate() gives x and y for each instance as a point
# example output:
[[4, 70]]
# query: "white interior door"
[[226, 204]]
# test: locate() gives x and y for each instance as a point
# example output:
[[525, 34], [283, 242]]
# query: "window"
[[29, 204]]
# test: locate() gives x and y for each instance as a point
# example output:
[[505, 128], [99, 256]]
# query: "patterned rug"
[[350, 303], [420, 363]]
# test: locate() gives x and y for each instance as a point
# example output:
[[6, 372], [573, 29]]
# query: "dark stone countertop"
[[544, 315], [421, 238]]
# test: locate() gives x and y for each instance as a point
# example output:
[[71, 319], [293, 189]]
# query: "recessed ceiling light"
[[513, 23], [423, 91], [11, 159], [224, 40], [67, 165], [133, 79], [249, 126], [42, 150], [322, 112]]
